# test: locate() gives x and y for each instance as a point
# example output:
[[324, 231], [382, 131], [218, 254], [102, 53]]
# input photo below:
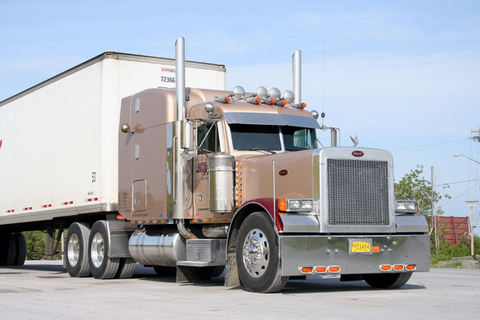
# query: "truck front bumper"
[[340, 255]]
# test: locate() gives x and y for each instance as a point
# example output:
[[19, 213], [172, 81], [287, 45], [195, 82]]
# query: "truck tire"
[[257, 255], [387, 280], [7, 249], [101, 266], [218, 271], [126, 268], [76, 250], [165, 271], [20, 249]]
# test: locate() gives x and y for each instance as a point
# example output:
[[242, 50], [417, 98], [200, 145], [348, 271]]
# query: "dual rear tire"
[[86, 253], [13, 249]]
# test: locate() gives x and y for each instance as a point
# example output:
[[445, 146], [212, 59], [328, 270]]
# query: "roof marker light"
[[275, 93], [289, 96], [262, 93]]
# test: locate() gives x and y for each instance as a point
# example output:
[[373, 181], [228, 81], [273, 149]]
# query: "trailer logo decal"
[[1, 141], [357, 153]]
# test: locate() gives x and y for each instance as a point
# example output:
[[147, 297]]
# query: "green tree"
[[35, 244], [413, 186]]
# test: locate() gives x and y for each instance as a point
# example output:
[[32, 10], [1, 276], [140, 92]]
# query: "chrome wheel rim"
[[73, 250], [97, 250], [256, 253]]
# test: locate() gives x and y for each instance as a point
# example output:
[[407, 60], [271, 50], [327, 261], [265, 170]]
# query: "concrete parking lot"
[[43, 290]]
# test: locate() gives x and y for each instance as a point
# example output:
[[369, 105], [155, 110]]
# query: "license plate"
[[360, 246]]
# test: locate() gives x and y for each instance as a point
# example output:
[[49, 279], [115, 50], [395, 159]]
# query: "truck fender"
[[119, 233], [231, 276]]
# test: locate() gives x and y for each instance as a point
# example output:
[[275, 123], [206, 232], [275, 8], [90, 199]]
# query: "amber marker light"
[[386, 267], [320, 269], [334, 269], [410, 267], [303, 105], [282, 204], [398, 267], [306, 270]]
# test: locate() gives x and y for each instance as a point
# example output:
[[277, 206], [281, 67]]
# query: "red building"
[[454, 228]]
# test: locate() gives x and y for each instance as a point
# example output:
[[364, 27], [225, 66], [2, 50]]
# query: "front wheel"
[[257, 255], [387, 280]]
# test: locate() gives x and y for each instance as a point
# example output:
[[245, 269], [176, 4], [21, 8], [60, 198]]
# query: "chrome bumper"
[[310, 251]]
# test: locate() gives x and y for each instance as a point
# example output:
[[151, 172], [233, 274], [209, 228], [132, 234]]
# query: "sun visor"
[[271, 119]]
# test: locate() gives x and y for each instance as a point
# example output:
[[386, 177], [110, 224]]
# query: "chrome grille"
[[357, 192]]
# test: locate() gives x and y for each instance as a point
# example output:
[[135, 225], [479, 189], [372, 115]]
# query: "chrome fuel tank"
[[157, 247], [221, 172]]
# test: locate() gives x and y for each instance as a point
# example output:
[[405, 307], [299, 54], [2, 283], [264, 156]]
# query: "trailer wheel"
[[20, 249], [101, 266], [7, 249], [257, 255], [126, 268], [387, 280], [76, 250]]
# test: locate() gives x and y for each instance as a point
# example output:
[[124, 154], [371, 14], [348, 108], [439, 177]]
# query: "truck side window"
[[299, 138], [207, 137]]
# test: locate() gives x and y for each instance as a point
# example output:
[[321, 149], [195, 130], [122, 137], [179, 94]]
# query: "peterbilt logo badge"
[[357, 153], [283, 172]]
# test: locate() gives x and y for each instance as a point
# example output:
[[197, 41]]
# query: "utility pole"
[[434, 213], [476, 138], [471, 205]]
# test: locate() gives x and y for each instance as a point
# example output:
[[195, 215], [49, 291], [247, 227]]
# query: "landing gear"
[[257, 255]]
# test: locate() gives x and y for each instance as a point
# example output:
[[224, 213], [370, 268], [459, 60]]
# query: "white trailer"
[[59, 139]]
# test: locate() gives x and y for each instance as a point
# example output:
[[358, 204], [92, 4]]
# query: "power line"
[[449, 183], [436, 145]]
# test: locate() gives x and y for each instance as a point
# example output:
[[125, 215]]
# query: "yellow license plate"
[[361, 246]]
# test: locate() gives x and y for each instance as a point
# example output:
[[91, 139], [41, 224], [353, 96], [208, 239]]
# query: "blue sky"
[[402, 75]]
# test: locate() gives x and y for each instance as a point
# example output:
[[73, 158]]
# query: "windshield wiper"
[[262, 149]]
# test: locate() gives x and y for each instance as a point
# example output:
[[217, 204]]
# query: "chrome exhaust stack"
[[180, 77], [297, 76], [179, 192]]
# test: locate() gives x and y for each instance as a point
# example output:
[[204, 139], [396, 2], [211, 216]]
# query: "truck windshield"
[[272, 138]]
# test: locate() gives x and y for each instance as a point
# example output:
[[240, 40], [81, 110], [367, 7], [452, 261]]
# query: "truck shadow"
[[331, 285]]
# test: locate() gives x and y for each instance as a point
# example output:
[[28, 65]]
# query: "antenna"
[[186, 35], [323, 80]]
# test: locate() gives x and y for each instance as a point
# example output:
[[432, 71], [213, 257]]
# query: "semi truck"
[[151, 161]]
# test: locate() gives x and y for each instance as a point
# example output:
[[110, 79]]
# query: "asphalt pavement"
[[44, 290]]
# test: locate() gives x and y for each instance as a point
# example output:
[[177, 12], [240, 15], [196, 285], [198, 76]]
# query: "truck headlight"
[[406, 206], [295, 205]]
